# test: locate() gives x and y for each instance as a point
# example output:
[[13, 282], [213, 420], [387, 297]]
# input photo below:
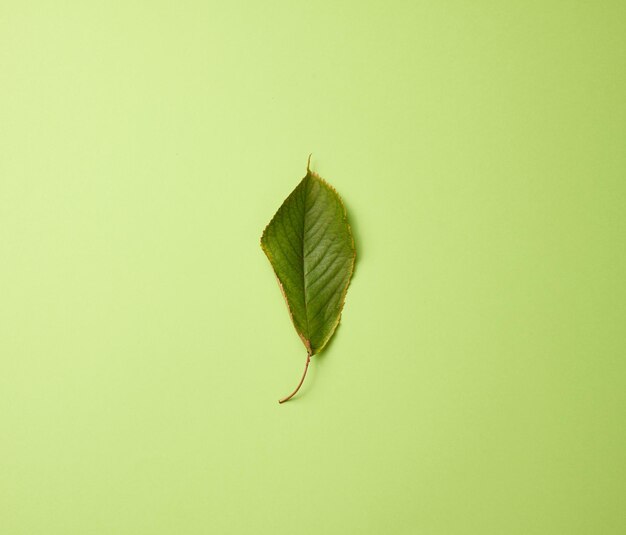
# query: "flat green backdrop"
[[476, 384]]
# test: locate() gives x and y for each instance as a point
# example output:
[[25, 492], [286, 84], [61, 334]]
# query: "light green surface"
[[476, 384]]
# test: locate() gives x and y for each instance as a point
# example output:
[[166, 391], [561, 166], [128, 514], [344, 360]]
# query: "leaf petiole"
[[306, 367]]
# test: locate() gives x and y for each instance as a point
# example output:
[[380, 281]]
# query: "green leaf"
[[310, 246]]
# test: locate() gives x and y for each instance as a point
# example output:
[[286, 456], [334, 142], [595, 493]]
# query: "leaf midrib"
[[304, 285]]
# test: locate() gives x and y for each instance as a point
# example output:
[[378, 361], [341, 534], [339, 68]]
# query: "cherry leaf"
[[310, 246]]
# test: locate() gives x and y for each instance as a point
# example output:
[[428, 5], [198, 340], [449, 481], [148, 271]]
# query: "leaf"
[[310, 246]]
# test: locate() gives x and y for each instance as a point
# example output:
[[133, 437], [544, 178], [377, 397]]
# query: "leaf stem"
[[306, 367]]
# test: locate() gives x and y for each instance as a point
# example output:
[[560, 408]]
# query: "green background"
[[476, 384]]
